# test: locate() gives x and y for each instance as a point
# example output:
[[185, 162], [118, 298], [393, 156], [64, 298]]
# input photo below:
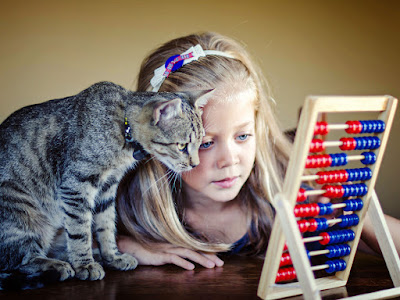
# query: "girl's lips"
[[226, 183]]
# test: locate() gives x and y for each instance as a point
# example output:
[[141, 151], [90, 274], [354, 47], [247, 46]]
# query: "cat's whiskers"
[[160, 181], [175, 176]]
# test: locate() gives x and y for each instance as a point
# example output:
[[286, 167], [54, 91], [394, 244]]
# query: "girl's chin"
[[223, 196]]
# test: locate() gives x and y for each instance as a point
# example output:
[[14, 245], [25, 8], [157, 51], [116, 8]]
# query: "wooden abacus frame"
[[286, 228]]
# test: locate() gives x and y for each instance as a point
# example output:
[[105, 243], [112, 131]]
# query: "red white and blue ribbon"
[[177, 61], [171, 64]]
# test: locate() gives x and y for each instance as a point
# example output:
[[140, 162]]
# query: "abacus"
[[305, 231]]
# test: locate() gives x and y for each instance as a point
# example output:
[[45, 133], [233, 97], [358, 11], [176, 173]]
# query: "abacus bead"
[[303, 225], [349, 235], [325, 238], [286, 260], [322, 223], [359, 204], [380, 126], [332, 176], [321, 128], [367, 142], [301, 195], [317, 145], [348, 144], [369, 158], [325, 208], [336, 265], [354, 127], [286, 274], [362, 189], [338, 250], [313, 225], [349, 220], [338, 159], [333, 191], [318, 161]]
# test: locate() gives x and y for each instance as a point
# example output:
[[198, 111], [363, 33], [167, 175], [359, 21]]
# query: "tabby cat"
[[61, 162]]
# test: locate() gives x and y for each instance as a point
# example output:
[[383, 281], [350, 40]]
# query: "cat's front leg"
[[77, 207], [105, 230]]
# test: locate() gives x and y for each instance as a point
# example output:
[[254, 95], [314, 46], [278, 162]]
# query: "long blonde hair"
[[150, 206]]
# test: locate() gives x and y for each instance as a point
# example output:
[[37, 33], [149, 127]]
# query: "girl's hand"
[[161, 254]]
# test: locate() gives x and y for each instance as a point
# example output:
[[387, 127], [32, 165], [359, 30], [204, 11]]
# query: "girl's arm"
[[369, 238], [161, 254]]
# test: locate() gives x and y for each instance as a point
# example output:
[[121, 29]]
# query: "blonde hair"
[[149, 206]]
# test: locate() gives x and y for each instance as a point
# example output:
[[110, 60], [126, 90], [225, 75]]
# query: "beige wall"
[[51, 49]]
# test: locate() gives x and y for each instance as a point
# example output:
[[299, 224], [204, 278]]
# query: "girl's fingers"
[[217, 261], [195, 257], [179, 261]]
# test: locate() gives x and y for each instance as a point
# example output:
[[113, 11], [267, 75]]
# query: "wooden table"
[[238, 279]]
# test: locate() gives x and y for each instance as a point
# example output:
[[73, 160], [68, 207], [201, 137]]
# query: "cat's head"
[[173, 128]]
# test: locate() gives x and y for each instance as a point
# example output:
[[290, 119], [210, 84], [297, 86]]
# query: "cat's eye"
[[182, 147]]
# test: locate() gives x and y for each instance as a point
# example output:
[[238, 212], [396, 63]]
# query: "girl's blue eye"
[[242, 137], [205, 145]]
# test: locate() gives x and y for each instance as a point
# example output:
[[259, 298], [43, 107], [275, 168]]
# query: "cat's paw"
[[91, 271], [121, 261], [63, 270]]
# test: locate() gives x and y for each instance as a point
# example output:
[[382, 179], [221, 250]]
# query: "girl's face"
[[227, 152]]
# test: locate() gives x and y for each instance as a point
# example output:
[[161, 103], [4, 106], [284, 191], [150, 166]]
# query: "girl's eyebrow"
[[237, 127], [244, 124]]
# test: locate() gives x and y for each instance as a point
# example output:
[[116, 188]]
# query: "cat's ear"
[[200, 98], [167, 110]]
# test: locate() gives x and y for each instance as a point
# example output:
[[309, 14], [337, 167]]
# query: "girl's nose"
[[227, 156]]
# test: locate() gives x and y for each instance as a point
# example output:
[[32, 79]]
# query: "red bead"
[[286, 260], [313, 225], [321, 128], [301, 195], [317, 145], [332, 176], [318, 161], [306, 210], [333, 191], [348, 144], [325, 238], [286, 274], [354, 127], [303, 225]]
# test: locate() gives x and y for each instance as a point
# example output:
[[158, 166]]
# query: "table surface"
[[237, 279]]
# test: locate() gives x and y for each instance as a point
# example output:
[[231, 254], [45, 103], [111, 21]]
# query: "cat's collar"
[[138, 152]]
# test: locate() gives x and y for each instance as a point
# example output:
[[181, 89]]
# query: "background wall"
[[51, 49]]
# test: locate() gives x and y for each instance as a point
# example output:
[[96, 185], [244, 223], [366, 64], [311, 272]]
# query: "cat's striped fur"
[[60, 165]]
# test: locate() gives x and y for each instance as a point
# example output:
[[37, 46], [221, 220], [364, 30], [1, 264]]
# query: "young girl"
[[225, 203]]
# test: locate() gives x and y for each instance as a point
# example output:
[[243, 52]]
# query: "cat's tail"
[[19, 281]]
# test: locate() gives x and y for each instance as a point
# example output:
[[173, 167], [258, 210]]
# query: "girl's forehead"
[[232, 95], [225, 113]]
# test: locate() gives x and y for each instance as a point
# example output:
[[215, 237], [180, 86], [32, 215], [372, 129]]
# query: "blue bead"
[[322, 223], [370, 158], [381, 126], [349, 205], [335, 265], [360, 204], [329, 208], [325, 209], [338, 159]]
